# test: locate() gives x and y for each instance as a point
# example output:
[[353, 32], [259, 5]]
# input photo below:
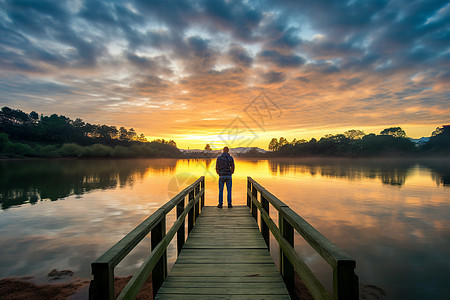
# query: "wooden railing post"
[[254, 208], [197, 205], [264, 227], [345, 281], [102, 287], [249, 198], [159, 273], [191, 213], [181, 235], [202, 187], [286, 268], [102, 284]]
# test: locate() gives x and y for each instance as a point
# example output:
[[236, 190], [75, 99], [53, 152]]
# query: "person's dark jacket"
[[225, 164]]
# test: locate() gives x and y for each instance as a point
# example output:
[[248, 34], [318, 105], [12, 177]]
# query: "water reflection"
[[36, 180], [357, 204], [388, 171]]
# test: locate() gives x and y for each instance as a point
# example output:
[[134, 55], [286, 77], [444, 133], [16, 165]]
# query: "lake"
[[391, 215]]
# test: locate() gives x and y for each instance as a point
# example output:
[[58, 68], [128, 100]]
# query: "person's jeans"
[[222, 181]]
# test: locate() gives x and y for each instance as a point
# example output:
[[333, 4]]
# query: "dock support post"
[[345, 281], [197, 205], [102, 287], [286, 268], [254, 207], [159, 273], [181, 234], [249, 198], [202, 187], [264, 227], [191, 213]]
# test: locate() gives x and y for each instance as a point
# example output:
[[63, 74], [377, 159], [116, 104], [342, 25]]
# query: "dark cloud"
[[240, 57], [324, 48], [47, 22], [151, 83], [289, 39], [303, 79], [159, 64], [174, 13], [278, 33], [99, 12], [324, 67], [350, 83], [198, 54], [281, 60], [273, 77], [234, 16], [35, 16]]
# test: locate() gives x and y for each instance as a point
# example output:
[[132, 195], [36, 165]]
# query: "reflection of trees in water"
[[443, 180], [394, 177], [31, 181], [208, 163], [440, 171], [389, 171]]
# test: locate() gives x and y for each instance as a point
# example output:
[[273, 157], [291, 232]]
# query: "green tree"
[[301, 141], [34, 115], [123, 134], [354, 134], [394, 131], [3, 140], [142, 138], [273, 145], [282, 142], [132, 134], [439, 141], [437, 131]]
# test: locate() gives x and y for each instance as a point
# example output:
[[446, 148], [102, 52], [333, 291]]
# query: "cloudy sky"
[[230, 72]]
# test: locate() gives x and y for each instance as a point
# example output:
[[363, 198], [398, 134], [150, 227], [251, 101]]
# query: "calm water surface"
[[392, 216]]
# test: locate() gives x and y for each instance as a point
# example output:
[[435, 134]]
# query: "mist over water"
[[392, 216]]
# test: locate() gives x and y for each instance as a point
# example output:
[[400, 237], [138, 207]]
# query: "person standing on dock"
[[225, 168]]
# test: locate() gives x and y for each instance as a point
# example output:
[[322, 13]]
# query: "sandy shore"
[[61, 285]]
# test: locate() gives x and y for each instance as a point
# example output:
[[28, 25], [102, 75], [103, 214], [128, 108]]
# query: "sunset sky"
[[230, 72]]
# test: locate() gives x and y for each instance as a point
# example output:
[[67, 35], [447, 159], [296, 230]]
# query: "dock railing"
[[345, 281], [102, 285]]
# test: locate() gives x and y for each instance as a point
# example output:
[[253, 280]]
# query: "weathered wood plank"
[[224, 279], [234, 288], [225, 260], [212, 245], [224, 270], [220, 297], [248, 253], [261, 286], [226, 241], [202, 256]]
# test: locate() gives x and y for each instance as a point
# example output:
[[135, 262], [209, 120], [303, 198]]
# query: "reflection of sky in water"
[[392, 217]]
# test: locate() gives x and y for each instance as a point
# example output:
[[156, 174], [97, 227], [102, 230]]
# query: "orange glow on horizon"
[[200, 139]]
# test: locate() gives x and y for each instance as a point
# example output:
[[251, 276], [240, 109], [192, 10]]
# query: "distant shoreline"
[[270, 157]]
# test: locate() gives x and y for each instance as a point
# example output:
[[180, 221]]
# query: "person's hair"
[[226, 149]]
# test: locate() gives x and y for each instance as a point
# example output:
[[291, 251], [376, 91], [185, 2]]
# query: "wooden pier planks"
[[224, 257]]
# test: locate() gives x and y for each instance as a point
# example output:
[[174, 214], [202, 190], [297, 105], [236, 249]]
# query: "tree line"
[[355, 143], [23, 134]]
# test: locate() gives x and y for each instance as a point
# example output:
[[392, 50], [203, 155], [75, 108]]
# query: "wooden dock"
[[226, 254], [224, 257]]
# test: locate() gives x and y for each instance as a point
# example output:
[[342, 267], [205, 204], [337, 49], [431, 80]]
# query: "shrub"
[[70, 150], [19, 149], [97, 150]]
